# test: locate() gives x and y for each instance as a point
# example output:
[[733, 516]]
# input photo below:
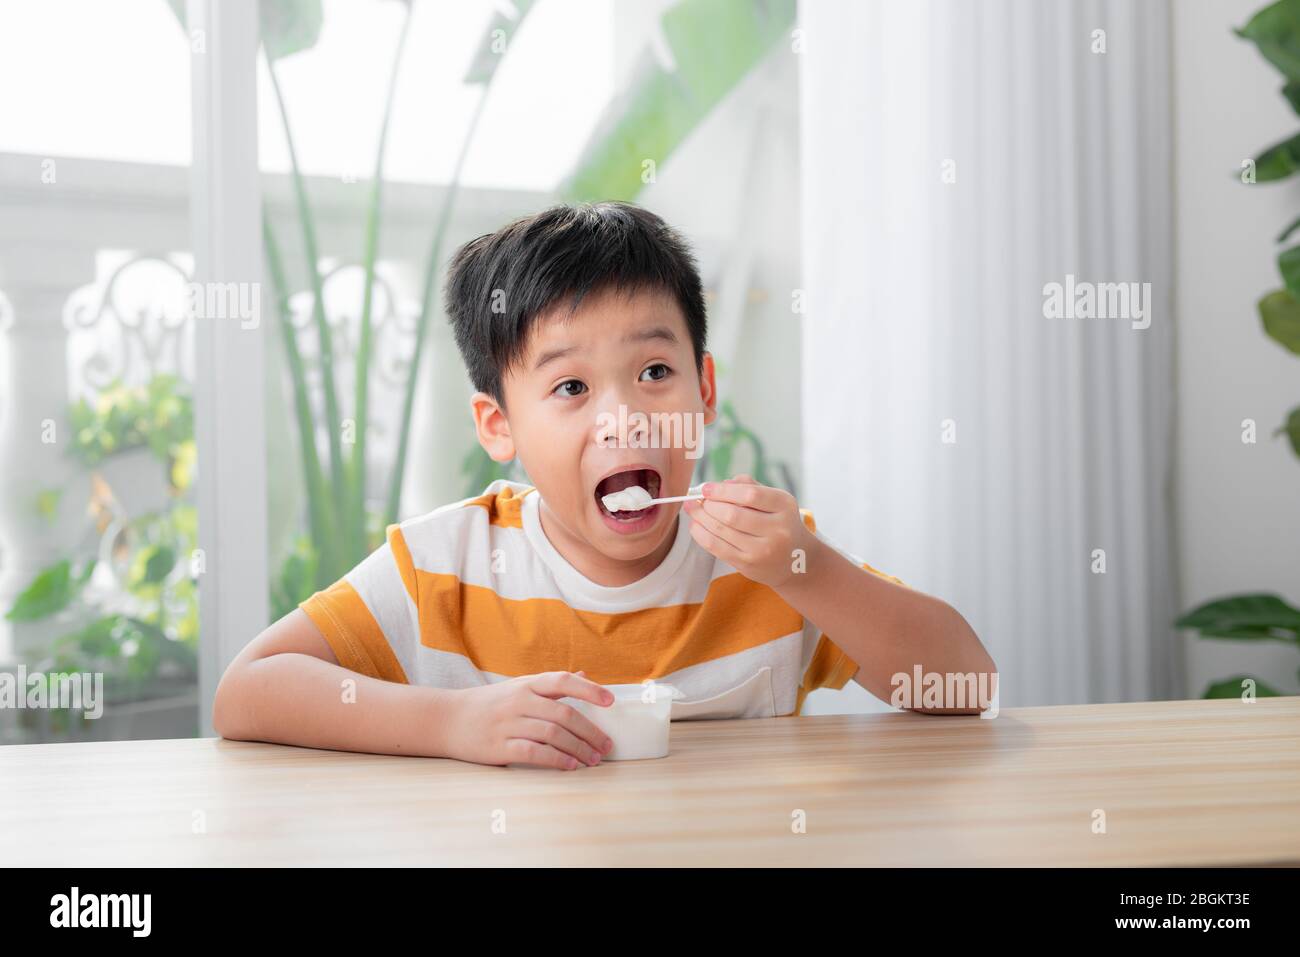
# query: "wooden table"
[[1179, 782]]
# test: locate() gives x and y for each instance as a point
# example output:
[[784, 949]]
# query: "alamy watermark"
[[225, 300], [656, 430], [953, 689], [1080, 299], [78, 690], [75, 909]]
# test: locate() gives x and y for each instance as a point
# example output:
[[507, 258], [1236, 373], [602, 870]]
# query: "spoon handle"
[[674, 498]]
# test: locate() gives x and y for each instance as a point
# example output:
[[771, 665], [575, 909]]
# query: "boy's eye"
[[656, 378], [561, 389]]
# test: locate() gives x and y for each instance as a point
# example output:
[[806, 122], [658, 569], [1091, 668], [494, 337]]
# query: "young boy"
[[459, 636]]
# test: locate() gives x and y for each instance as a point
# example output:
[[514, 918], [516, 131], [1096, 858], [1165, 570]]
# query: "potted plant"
[[1275, 31]]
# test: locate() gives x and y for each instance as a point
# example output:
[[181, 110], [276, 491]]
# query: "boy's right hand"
[[519, 721]]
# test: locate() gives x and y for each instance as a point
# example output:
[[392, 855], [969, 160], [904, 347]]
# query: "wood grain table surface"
[[1173, 783]]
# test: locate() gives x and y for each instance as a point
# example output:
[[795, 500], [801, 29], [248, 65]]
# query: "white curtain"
[[957, 158]]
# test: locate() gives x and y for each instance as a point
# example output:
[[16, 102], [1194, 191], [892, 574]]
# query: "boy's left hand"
[[754, 528]]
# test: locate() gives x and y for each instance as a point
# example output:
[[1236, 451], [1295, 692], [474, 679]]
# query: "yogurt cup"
[[638, 720]]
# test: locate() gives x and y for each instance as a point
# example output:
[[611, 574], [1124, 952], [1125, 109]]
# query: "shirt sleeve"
[[828, 665], [369, 616]]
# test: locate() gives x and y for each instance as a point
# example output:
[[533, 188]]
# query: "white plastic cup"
[[637, 722]]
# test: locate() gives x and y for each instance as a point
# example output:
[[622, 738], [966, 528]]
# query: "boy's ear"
[[708, 389], [492, 428]]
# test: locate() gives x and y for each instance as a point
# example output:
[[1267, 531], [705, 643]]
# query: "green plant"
[[147, 633], [1275, 31], [1244, 618], [130, 652], [150, 630], [158, 415]]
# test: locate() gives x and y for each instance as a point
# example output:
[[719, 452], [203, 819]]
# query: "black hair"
[[498, 284]]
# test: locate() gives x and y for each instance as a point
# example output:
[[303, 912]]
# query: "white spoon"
[[697, 497], [635, 499]]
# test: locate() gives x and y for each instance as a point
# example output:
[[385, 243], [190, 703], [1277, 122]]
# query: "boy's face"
[[607, 398]]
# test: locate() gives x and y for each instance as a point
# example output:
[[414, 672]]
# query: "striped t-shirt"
[[474, 592]]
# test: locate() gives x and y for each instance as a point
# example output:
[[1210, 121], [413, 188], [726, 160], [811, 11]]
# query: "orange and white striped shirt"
[[474, 592]]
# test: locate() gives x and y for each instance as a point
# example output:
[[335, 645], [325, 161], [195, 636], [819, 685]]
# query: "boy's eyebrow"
[[654, 332], [552, 354]]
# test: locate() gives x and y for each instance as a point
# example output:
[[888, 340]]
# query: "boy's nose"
[[622, 426]]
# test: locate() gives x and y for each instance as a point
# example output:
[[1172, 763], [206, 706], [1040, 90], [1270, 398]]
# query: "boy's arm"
[[287, 687], [886, 628]]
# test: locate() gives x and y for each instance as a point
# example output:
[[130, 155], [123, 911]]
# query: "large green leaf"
[[50, 592], [1278, 161], [288, 26], [1292, 429], [152, 565], [714, 44], [1259, 617], [1288, 264], [1292, 93], [1281, 315], [1232, 688], [1275, 30]]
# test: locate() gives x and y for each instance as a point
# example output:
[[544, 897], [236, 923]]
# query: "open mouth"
[[648, 479]]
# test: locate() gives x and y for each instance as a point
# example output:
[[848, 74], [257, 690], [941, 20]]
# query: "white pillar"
[[229, 387]]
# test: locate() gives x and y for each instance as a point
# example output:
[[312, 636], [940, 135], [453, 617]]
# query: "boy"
[[459, 635]]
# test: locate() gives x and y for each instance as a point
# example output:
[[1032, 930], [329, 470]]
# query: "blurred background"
[[881, 195]]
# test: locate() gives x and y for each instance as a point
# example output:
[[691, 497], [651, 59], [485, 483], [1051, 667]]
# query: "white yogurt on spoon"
[[631, 499]]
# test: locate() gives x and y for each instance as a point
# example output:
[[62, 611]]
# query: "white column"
[[229, 386]]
